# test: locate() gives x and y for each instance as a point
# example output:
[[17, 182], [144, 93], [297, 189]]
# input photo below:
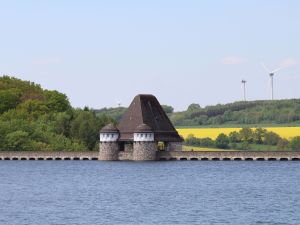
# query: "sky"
[[102, 53]]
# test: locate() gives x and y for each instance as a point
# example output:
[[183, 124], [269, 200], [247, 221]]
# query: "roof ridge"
[[141, 109]]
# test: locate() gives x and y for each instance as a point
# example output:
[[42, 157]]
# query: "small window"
[[142, 135]]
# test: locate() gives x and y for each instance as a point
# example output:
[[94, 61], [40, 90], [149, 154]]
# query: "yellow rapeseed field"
[[285, 132]]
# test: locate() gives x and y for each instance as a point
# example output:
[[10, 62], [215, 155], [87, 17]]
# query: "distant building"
[[144, 130]]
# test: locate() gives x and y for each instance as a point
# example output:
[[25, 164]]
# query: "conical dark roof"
[[145, 109]]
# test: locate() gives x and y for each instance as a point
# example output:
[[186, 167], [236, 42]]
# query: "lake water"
[[200, 192]]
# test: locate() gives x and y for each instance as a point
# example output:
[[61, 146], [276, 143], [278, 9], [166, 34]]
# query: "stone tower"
[[109, 147], [144, 146]]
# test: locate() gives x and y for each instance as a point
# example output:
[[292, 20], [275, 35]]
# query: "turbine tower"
[[271, 74], [244, 89]]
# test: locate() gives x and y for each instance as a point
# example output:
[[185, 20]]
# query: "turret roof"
[[110, 128]]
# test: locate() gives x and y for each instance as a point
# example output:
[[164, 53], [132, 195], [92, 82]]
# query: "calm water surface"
[[92, 192]]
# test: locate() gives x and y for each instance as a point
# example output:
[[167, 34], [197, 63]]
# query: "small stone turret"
[[144, 146], [109, 147]]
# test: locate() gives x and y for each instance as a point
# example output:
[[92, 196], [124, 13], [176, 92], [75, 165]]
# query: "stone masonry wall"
[[128, 147], [35, 155], [109, 151], [243, 155], [144, 151]]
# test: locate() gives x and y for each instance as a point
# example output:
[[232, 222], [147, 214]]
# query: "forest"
[[249, 113], [32, 118]]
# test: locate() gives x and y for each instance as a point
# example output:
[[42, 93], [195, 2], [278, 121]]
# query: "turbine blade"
[[276, 70], [266, 68]]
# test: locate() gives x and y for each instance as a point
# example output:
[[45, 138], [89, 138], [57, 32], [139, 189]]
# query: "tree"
[[32, 109], [9, 99], [206, 142], [86, 126], [295, 143], [282, 144], [222, 141], [234, 137], [193, 107], [271, 138], [18, 141], [62, 123], [168, 109], [259, 135], [246, 135], [56, 101]]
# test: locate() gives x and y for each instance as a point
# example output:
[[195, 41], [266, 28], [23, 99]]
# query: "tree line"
[[250, 112], [244, 139]]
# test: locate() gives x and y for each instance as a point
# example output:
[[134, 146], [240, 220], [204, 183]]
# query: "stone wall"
[[144, 151], [109, 151], [161, 155], [128, 147], [40, 155], [228, 155], [125, 156]]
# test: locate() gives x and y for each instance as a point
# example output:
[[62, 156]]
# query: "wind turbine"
[[271, 74], [244, 88]]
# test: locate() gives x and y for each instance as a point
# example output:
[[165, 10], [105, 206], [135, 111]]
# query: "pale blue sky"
[[100, 53]]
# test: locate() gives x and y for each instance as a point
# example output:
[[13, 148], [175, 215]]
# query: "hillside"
[[32, 118], [238, 113]]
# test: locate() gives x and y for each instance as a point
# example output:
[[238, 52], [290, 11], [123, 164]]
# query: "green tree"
[[86, 126], [246, 135], [18, 141], [259, 135], [206, 142], [57, 102], [244, 146], [193, 107], [9, 99], [32, 109], [62, 123], [295, 143], [168, 109], [222, 141], [234, 137], [282, 144], [271, 138]]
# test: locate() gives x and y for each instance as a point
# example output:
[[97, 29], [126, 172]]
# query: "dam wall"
[[28, 155], [160, 155], [230, 155]]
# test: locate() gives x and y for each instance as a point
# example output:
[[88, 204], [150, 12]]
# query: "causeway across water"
[[161, 155]]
